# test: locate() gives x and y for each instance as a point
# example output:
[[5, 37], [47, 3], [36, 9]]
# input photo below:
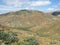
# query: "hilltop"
[[24, 18]]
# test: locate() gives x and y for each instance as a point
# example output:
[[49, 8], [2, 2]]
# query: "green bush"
[[31, 41], [8, 38]]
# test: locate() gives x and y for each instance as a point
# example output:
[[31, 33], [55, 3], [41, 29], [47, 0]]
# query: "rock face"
[[56, 13]]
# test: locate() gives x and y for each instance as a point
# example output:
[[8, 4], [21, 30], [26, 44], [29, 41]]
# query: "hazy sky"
[[42, 5]]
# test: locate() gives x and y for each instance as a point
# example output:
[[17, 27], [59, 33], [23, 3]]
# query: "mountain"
[[23, 18], [31, 27], [56, 13]]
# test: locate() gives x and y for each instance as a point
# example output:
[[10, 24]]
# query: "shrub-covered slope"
[[29, 27]]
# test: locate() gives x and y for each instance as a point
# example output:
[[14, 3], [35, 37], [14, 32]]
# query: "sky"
[[41, 5]]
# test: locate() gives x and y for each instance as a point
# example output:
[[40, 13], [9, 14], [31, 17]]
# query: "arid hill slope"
[[32, 28]]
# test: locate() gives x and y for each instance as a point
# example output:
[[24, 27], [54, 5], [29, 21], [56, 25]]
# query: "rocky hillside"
[[24, 18], [29, 27]]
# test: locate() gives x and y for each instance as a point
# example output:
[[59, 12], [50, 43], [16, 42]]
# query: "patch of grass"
[[23, 28], [41, 33], [53, 42]]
